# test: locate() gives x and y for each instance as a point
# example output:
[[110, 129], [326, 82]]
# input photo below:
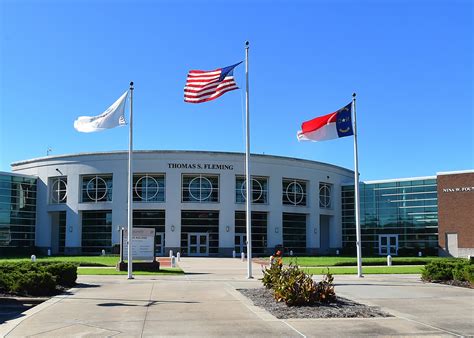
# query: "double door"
[[388, 245], [198, 244]]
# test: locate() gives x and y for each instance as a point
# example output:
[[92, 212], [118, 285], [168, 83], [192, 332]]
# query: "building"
[[195, 201]]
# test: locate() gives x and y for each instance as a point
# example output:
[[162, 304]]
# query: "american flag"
[[202, 85]]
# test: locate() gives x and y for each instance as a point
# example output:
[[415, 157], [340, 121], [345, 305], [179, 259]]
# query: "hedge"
[[36, 279], [459, 269]]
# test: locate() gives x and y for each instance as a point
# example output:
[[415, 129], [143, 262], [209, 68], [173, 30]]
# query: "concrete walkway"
[[204, 302]]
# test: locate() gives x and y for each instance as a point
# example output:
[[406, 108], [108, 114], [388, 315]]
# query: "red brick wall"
[[456, 208]]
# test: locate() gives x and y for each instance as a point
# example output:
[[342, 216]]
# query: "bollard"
[[389, 260], [49, 252], [337, 252], [103, 252], [419, 253], [233, 253], [171, 253], [173, 261], [291, 252], [178, 256], [33, 258], [242, 256]]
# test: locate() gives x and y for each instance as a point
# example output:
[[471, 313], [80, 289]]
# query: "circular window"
[[147, 188], [294, 193], [59, 191], [96, 188], [256, 189], [200, 188], [325, 196]]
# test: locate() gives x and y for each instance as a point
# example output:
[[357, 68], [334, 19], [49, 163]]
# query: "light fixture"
[[59, 171], [172, 227], [70, 228], [227, 228], [276, 229], [315, 230]]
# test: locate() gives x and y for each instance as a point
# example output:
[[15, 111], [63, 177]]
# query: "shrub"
[[445, 270], [271, 275], [325, 289], [295, 287], [65, 273], [34, 283]]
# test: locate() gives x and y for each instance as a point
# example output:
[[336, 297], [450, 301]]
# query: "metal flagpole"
[[130, 179], [247, 167], [356, 188]]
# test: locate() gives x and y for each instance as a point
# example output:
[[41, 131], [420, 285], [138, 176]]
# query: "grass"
[[109, 260], [352, 261], [108, 271], [366, 270]]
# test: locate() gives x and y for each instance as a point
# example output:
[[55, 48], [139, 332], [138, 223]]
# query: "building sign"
[[143, 244], [459, 189], [204, 166]]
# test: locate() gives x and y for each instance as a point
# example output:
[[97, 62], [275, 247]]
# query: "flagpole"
[[248, 179], [356, 188], [130, 183]]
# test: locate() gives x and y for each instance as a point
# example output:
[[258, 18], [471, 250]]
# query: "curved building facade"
[[194, 200]]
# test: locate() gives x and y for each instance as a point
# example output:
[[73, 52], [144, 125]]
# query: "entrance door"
[[240, 243], [159, 243], [388, 245], [198, 244]]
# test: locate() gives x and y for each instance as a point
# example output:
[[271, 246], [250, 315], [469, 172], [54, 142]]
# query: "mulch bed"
[[342, 308]]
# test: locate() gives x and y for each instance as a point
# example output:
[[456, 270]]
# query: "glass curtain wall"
[[154, 219], [294, 233], [259, 233], [96, 231], [17, 211], [396, 217], [196, 225]]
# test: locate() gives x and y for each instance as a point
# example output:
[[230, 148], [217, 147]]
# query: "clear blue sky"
[[410, 62]]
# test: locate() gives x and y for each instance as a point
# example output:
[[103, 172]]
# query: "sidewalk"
[[204, 302]]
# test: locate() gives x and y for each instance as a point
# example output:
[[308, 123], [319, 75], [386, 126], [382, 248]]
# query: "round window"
[[96, 188], [325, 196], [200, 188], [294, 193], [59, 191], [257, 190], [147, 188]]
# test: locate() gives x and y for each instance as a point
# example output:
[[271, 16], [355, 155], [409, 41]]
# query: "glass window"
[[97, 188], [149, 188], [259, 190], [96, 231], [294, 233], [294, 192], [325, 190], [200, 188], [58, 190]]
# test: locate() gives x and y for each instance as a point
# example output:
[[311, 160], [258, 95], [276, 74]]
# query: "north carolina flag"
[[328, 127]]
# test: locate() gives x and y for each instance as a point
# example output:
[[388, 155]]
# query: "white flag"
[[111, 118]]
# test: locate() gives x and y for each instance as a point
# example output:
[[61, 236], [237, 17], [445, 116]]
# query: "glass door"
[[388, 245], [198, 244], [159, 243], [240, 243]]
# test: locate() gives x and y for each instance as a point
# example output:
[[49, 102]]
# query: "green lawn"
[[352, 261], [367, 270], [109, 271], [81, 260]]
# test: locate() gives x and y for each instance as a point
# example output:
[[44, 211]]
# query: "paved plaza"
[[204, 302]]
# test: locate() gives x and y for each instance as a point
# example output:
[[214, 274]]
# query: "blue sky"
[[410, 62]]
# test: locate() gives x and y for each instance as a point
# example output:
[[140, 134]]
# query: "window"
[[58, 190], [294, 192], [149, 188], [325, 190], [294, 232], [259, 190], [97, 188], [96, 231], [200, 188]]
